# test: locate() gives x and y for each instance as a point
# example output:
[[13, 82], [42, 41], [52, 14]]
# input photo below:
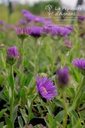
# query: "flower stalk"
[[65, 110], [35, 57], [22, 58], [12, 95], [22, 61]]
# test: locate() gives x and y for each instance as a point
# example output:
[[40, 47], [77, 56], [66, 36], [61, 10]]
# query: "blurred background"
[[10, 10]]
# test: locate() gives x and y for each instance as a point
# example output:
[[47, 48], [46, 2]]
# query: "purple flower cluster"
[[30, 17], [45, 87], [49, 27], [56, 30], [63, 76], [79, 63]]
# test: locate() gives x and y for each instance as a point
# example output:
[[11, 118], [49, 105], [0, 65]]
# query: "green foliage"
[[39, 8]]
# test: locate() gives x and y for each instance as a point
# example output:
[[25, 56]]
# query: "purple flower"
[[54, 30], [1, 22], [48, 22], [29, 17], [22, 22], [45, 87], [22, 32], [63, 76], [81, 18], [13, 52], [12, 55], [47, 29], [39, 19], [57, 30], [36, 31], [68, 44], [24, 11], [50, 29], [79, 63], [63, 31], [9, 26], [69, 27]]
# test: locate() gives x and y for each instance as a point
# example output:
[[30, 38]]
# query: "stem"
[[65, 109], [67, 54], [35, 57], [22, 63], [22, 58], [74, 105], [12, 96], [11, 108]]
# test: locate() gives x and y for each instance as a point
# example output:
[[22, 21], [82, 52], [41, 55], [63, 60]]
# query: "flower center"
[[44, 89]]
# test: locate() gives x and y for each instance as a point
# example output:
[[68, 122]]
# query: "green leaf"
[[8, 122], [15, 112], [20, 122], [5, 126], [51, 121], [49, 110], [28, 79], [2, 112], [74, 119], [1, 124], [2, 96], [22, 93], [69, 126], [81, 99], [58, 103], [70, 92], [22, 80], [17, 71], [24, 115], [6, 93], [59, 117], [82, 115], [32, 64], [2, 80]]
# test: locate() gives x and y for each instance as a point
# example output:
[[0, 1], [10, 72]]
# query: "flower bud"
[[67, 46], [63, 77], [12, 55]]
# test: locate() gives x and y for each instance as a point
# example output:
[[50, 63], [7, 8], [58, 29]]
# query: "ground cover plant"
[[42, 73]]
